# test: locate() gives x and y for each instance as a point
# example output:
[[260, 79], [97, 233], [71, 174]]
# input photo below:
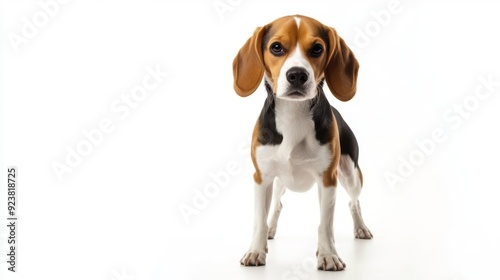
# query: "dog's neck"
[[297, 119]]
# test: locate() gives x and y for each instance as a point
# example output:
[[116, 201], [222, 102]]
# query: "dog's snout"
[[297, 76]]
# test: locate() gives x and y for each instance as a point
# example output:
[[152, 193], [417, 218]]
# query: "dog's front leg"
[[328, 258], [256, 255]]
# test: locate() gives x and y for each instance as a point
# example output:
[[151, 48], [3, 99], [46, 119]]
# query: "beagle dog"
[[299, 139]]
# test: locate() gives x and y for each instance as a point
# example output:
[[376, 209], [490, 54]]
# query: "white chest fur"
[[300, 159]]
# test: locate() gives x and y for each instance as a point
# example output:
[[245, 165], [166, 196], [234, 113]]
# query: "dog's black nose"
[[297, 76]]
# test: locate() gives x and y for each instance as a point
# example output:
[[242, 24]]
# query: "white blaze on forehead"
[[295, 59], [297, 20]]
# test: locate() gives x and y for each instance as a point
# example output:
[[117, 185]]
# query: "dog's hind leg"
[[278, 191], [351, 179]]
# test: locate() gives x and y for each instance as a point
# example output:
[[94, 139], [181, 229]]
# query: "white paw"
[[253, 259], [330, 262], [362, 233]]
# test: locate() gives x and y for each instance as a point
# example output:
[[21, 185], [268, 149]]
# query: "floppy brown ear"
[[341, 72], [248, 68]]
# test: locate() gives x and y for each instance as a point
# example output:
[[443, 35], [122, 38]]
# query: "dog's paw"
[[271, 233], [330, 262], [363, 233], [253, 258]]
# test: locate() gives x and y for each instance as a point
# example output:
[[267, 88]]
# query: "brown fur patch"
[[283, 31], [309, 35], [330, 175], [257, 177], [247, 65]]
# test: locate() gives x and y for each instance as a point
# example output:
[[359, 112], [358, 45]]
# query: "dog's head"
[[296, 53]]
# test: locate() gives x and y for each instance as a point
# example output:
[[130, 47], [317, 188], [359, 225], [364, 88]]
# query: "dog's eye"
[[277, 49], [316, 50]]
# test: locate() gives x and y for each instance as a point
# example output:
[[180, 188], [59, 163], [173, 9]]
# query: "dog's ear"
[[248, 65], [341, 71]]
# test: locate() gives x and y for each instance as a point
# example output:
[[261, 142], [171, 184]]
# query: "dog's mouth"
[[295, 94]]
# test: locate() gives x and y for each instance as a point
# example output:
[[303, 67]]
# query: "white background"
[[116, 214]]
